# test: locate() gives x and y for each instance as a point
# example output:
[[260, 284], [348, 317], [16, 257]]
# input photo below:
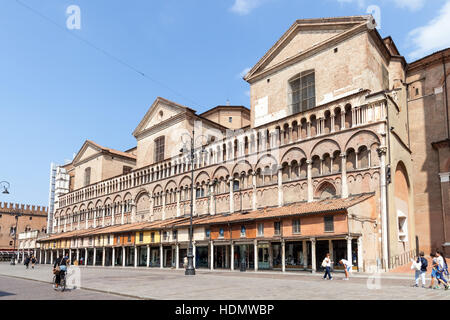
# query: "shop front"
[[244, 256], [263, 256], [201, 257], [108, 257], [222, 257], [294, 255], [99, 256], [169, 262], [129, 256], [154, 257], [90, 256], [118, 256], [142, 256], [182, 253]]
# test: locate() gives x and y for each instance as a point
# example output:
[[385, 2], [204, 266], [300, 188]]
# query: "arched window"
[[302, 92], [87, 176]]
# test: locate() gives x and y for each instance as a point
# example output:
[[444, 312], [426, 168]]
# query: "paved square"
[[143, 283]]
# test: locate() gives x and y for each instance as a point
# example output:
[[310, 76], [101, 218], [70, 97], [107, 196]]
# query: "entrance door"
[[263, 257], [201, 257], [322, 248], [182, 254], [154, 257], [167, 257], [142, 256]]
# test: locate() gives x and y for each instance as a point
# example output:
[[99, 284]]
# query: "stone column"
[[360, 255], [283, 256], [310, 184], [133, 211], [123, 256], [163, 205], [148, 256], [254, 205], [70, 256], [113, 214], [232, 257], [86, 217], [344, 186], [313, 255], [104, 257], [256, 254], [231, 196], [194, 205], [212, 255], [95, 218], [85, 256], [103, 216], [330, 249], [161, 256], [135, 257], [383, 189], [332, 122], [177, 256], [78, 256], [51, 257], [113, 257], [45, 256], [305, 254], [178, 203], [211, 200], [40, 256], [95, 256], [122, 218], [349, 249], [280, 186]]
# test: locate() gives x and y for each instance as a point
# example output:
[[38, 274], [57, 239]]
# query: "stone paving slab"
[[206, 285]]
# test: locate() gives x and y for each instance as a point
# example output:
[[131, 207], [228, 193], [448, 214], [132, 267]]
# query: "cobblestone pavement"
[[206, 285], [20, 289]]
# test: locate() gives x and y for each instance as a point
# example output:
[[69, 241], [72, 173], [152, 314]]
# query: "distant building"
[[30, 218]]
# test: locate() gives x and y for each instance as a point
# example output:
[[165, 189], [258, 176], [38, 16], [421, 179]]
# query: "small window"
[[141, 236], [109, 239], [153, 237], [329, 224], [129, 238], [235, 185], [335, 50], [277, 228], [207, 233], [417, 91], [31, 218], [10, 243], [159, 149], [87, 176], [243, 231], [296, 226], [260, 229], [221, 233], [164, 235], [175, 234], [230, 119]]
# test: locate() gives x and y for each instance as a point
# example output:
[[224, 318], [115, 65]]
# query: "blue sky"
[[56, 91]]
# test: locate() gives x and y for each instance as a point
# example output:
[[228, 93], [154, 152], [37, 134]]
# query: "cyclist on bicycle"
[[62, 262]]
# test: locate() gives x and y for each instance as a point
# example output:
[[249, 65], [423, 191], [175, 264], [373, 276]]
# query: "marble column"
[[313, 255], [344, 185], [310, 184]]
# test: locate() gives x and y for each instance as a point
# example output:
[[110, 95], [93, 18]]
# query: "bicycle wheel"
[[63, 283]]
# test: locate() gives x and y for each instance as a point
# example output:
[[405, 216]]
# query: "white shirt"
[[346, 263], [327, 262], [440, 262]]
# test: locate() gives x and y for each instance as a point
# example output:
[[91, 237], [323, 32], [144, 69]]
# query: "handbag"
[[324, 264]]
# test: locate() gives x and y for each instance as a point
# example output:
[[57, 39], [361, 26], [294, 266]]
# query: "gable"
[[87, 150], [300, 41], [306, 37], [160, 111]]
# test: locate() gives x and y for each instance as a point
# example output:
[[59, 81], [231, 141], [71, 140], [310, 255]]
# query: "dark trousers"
[[327, 272]]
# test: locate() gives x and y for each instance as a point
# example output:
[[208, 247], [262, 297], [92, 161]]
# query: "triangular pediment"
[[304, 36], [160, 111], [88, 150]]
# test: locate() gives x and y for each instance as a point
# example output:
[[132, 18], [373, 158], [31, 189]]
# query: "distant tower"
[[59, 185], [228, 102]]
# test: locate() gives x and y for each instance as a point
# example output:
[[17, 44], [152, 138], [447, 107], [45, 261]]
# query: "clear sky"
[[56, 91]]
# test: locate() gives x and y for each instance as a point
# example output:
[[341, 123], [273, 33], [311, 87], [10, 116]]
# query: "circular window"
[[161, 114]]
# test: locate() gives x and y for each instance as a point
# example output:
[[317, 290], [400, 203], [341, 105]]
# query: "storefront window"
[[201, 257], [263, 256], [294, 255]]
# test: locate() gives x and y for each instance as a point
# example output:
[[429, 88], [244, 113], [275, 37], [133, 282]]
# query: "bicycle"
[[62, 281]]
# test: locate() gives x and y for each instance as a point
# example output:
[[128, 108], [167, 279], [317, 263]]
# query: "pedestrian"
[[433, 271], [33, 261], [441, 269], [326, 263], [347, 267], [185, 262], [27, 261], [422, 270], [81, 261]]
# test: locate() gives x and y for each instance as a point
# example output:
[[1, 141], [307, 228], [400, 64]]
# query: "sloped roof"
[[102, 149]]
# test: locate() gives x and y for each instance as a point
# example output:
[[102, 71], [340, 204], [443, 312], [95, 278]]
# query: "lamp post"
[[190, 270], [16, 216], [5, 186]]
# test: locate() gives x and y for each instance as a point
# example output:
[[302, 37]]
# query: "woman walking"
[[326, 263]]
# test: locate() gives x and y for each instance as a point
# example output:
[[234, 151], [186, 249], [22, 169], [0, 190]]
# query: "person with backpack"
[[421, 269], [27, 261], [326, 263]]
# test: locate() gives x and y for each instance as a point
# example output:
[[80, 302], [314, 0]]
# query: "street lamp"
[[190, 270], [16, 215], [5, 186]]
